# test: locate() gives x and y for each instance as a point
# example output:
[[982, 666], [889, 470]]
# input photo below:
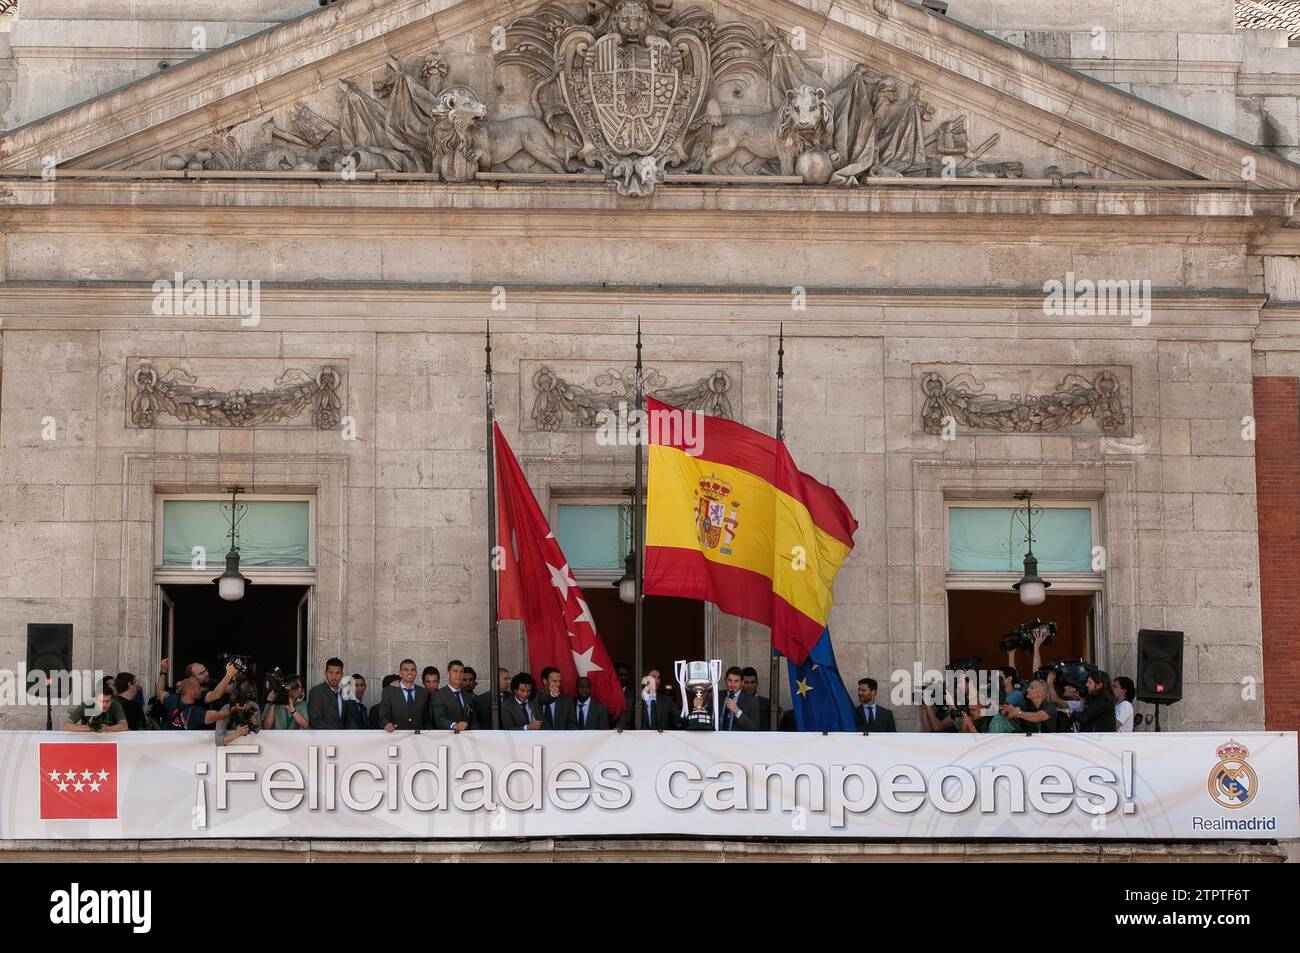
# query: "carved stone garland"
[[294, 392], [1075, 399], [558, 399]]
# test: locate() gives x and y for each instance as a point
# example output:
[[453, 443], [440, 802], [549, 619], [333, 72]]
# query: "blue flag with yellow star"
[[820, 701]]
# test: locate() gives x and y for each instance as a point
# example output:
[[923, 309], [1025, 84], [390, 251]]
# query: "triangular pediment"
[[631, 90]]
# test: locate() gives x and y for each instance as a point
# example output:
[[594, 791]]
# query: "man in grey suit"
[[869, 715], [453, 707], [749, 685], [589, 713], [326, 706], [557, 708], [520, 712], [404, 704], [736, 710]]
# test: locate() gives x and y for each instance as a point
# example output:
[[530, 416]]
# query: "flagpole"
[[494, 647], [638, 530], [774, 676]]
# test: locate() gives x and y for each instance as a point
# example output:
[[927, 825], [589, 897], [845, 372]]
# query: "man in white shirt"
[[1124, 690]]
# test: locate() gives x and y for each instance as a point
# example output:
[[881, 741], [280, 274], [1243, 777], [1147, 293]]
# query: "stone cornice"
[[379, 307], [686, 209], [1014, 88]]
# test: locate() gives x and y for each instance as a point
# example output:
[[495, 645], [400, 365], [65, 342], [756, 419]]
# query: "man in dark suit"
[[483, 700], [375, 719], [658, 712], [590, 714], [557, 708], [404, 705], [360, 713], [452, 706], [749, 685], [326, 706], [869, 715], [520, 712], [736, 710], [624, 672]]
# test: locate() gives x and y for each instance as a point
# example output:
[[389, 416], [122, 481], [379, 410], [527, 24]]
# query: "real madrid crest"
[[633, 86], [1233, 782]]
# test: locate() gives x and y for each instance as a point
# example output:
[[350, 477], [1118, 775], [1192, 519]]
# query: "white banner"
[[355, 784]]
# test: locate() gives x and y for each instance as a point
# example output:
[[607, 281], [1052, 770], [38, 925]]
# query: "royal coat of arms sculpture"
[[633, 87]]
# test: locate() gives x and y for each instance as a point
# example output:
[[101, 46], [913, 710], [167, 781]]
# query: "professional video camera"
[[1069, 672], [956, 707], [1021, 638], [241, 663], [277, 686], [243, 691]]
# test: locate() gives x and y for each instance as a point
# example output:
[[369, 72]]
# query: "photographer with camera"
[[947, 716], [103, 714], [1037, 714], [183, 709], [1099, 711], [1012, 691], [975, 720], [126, 689], [245, 717], [285, 706]]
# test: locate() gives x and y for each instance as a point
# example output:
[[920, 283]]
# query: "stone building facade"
[[919, 201]]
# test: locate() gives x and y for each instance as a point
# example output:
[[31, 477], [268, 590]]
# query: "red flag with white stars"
[[79, 781], [538, 588]]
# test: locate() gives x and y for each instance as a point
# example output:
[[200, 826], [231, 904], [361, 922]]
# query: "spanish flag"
[[731, 520]]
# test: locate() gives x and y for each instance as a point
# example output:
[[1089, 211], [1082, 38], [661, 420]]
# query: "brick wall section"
[[1277, 477]]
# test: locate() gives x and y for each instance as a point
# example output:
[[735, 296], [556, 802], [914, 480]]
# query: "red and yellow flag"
[[731, 520]]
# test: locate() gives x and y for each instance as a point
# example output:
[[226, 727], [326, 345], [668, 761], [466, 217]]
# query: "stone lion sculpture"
[[463, 142], [805, 121]]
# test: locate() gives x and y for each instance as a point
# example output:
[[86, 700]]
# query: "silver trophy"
[[694, 680]]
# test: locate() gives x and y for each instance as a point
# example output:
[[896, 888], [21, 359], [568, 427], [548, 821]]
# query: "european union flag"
[[820, 700]]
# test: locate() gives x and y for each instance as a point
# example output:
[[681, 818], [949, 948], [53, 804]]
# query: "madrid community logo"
[[78, 781], [1233, 782]]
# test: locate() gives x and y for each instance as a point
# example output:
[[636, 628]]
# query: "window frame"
[[1072, 582], [284, 575], [585, 576], [980, 579]]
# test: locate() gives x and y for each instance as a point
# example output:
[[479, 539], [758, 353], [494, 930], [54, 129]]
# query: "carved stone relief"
[[570, 396], [631, 89], [1024, 399], [165, 388]]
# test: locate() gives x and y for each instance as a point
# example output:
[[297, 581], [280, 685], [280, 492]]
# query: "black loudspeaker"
[[1160, 666], [49, 647]]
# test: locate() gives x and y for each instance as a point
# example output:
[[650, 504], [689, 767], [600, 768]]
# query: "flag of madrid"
[[79, 781]]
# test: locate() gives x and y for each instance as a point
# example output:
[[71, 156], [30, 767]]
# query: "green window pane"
[[992, 539], [271, 532], [591, 535]]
